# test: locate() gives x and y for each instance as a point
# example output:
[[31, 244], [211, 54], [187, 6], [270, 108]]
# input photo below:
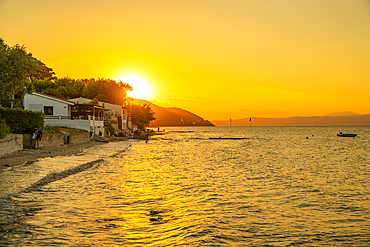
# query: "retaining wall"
[[57, 139], [15, 142], [79, 138], [11, 143], [47, 140]]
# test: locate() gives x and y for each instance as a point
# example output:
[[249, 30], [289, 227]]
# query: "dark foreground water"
[[182, 189]]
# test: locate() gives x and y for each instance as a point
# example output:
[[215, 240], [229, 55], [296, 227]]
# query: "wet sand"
[[24, 156]]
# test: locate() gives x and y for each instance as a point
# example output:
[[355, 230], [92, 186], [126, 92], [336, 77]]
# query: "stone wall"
[[47, 140], [15, 142], [11, 143], [80, 137], [57, 139]]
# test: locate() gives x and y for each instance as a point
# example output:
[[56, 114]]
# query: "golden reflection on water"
[[144, 186], [267, 191]]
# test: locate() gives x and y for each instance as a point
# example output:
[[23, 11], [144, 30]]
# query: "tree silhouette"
[[142, 115]]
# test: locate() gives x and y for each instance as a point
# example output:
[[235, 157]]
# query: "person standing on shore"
[[36, 137], [147, 134]]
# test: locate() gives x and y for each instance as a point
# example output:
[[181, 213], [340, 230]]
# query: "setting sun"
[[141, 89]]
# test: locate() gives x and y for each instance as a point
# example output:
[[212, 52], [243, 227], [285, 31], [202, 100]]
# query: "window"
[[48, 110]]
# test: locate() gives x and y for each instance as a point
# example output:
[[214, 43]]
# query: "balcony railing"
[[107, 122], [73, 118]]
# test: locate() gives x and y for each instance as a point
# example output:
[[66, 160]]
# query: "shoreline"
[[21, 157]]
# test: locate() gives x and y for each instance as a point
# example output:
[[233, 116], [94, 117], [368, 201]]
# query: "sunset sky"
[[219, 59]]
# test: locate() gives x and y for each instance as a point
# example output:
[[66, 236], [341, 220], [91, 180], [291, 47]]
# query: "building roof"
[[53, 98], [101, 103], [89, 105]]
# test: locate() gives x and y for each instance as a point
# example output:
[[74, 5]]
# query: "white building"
[[58, 113], [50, 105], [118, 116], [115, 115]]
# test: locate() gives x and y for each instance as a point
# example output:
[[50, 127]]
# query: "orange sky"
[[218, 59]]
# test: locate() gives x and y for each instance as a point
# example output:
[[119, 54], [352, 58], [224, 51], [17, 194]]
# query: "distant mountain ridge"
[[326, 120], [173, 116], [341, 113]]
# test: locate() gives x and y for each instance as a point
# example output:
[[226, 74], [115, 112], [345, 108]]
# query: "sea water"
[[281, 186]]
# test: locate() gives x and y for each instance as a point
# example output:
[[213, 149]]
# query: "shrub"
[[72, 130], [51, 130], [22, 121], [4, 129], [111, 130], [121, 134], [56, 130]]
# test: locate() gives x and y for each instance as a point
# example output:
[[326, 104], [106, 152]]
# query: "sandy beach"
[[21, 157]]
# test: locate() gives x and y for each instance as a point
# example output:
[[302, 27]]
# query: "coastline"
[[21, 157]]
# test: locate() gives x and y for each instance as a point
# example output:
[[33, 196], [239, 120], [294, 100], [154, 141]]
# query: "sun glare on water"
[[141, 89]]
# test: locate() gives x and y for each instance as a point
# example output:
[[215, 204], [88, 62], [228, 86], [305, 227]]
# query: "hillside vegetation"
[[172, 116]]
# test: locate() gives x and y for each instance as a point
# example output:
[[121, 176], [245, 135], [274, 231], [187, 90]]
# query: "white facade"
[[90, 124], [58, 113], [117, 112], [42, 102]]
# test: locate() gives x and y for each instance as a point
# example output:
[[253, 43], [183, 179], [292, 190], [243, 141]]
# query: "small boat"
[[346, 135], [159, 132], [229, 138]]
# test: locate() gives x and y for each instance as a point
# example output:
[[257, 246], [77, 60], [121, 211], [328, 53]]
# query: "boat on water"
[[229, 138], [159, 132], [346, 135]]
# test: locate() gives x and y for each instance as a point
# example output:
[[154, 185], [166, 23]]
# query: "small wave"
[[60, 175], [9, 208]]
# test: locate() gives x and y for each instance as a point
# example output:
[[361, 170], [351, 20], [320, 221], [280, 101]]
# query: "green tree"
[[66, 88], [42, 72], [94, 102], [47, 87], [16, 65], [142, 115], [70, 88], [106, 90]]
